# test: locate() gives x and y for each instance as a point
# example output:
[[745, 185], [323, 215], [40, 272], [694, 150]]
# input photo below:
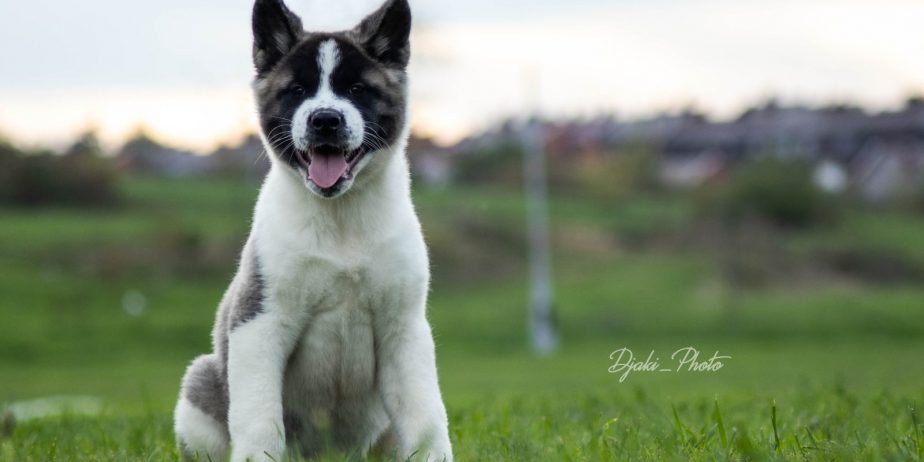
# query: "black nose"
[[326, 120]]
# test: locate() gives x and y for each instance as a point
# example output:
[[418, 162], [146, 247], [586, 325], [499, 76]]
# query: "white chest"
[[338, 279], [335, 358]]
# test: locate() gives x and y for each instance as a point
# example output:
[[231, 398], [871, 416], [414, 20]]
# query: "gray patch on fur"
[[294, 429], [205, 384], [248, 287], [204, 387]]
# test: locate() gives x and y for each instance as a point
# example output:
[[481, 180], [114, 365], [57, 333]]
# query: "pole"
[[542, 329]]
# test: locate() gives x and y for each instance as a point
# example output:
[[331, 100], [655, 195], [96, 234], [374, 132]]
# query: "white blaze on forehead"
[[328, 58], [325, 98]]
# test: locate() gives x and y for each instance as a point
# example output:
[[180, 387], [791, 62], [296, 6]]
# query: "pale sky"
[[182, 68]]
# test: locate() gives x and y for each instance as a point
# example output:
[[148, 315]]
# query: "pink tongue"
[[326, 170]]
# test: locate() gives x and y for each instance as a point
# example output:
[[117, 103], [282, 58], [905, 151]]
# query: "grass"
[[824, 370], [823, 424]]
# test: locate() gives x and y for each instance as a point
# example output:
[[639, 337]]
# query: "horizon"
[[184, 72], [239, 138]]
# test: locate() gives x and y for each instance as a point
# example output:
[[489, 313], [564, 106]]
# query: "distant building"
[[830, 177], [689, 171], [879, 156], [886, 170], [143, 155]]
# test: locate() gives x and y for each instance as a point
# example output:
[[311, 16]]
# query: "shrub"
[[619, 175], [499, 165], [779, 191], [79, 177]]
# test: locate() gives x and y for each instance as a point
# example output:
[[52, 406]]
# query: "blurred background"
[[739, 176]]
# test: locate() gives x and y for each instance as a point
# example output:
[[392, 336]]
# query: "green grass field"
[[104, 308]]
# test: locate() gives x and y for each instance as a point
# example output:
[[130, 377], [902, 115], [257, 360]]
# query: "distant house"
[[690, 171], [431, 167], [429, 163], [145, 156], [830, 177], [249, 158], [885, 170]]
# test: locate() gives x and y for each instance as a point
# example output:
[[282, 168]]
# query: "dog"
[[321, 342]]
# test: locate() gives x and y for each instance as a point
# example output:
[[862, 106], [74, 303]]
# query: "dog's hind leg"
[[200, 419]]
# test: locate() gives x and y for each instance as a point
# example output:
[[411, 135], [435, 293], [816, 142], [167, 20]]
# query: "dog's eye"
[[357, 89], [297, 90]]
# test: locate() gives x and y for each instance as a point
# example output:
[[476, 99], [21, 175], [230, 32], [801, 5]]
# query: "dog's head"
[[331, 104]]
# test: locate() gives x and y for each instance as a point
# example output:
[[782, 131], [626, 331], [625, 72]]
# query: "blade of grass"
[[915, 432], [798, 444], [717, 416], [776, 434], [681, 428], [856, 436], [811, 438]]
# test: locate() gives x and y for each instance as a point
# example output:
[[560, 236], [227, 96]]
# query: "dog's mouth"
[[327, 165]]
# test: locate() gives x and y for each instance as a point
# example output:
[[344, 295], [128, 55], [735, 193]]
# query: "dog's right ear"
[[276, 30], [385, 34]]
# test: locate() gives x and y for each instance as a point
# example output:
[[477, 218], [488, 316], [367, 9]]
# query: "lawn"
[[103, 309]]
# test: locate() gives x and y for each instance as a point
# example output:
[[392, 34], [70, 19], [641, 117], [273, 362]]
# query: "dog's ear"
[[385, 34], [276, 30]]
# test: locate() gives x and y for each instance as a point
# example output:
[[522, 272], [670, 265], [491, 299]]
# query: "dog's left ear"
[[276, 30], [385, 34]]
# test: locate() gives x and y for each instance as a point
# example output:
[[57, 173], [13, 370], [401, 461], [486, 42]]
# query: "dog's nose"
[[326, 120]]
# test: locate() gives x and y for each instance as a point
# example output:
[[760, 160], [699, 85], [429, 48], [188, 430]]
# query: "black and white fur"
[[321, 341]]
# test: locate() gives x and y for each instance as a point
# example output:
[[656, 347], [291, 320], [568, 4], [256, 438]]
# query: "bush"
[[79, 177], [499, 165], [916, 199], [619, 175], [779, 191]]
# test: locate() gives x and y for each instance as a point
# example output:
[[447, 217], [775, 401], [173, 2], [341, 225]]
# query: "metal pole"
[[542, 328]]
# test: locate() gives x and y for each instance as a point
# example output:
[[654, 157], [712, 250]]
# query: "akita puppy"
[[321, 341]]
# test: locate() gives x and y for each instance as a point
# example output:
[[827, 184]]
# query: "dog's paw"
[[439, 453], [255, 456], [269, 452], [439, 450]]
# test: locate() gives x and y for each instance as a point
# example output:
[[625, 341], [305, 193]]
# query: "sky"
[[181, 68]]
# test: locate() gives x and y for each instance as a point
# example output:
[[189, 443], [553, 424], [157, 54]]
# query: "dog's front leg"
[[257, 355], [410, 389]]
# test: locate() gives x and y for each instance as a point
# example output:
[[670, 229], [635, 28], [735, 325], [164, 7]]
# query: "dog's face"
[[331, 105]]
